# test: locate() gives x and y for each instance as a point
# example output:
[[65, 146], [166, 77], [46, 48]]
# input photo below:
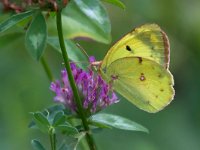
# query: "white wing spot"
[[142, 77]]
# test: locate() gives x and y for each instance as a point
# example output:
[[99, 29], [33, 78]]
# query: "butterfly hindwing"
[[143, 82]]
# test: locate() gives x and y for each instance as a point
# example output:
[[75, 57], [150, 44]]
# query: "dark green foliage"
[[36, 36]]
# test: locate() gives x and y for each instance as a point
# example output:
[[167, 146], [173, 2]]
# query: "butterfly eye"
[[104, 70]]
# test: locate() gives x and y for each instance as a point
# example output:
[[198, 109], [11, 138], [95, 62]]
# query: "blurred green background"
[[24, 86]]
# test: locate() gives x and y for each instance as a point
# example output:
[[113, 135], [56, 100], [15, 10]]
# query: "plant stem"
[[52, 137], [72, 82], [51, 141], [54, 140], [47, 69]]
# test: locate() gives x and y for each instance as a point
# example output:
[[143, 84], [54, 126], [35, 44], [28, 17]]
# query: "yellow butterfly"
[[137, 65]]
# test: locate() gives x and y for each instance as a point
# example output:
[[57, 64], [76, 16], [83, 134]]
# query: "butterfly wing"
[[143, 82], [147, 41]]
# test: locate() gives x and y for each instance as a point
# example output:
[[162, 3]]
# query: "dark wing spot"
[[170, 83], [142, 77], [152, 47], [159, 75], [156, 96], [128, 48], [161, 90], [140, 59], [147, 102], [114, 77]]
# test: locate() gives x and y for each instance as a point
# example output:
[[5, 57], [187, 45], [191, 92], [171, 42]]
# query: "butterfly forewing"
[[147, 41]]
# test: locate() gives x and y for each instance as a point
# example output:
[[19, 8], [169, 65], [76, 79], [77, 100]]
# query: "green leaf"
[[96, 130], [37, 145], [41, 118], [59, 119], [116, 3], [71, 143], [86, 20], [52, 115], [63, 146], [80, 135], [13, 20], [49, 116], [75, 54], [67, 129], [117, 122], [57, 107], [100, 125], [36, 36], [32, 124], [53, 110], [41, 121]]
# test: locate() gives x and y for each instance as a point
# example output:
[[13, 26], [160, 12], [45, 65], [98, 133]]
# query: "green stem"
[[51, 141], [47, 69], [52, 137], [54, 140], [72, 82]]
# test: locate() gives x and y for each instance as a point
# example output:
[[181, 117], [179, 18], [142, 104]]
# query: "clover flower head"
[[95, 93]]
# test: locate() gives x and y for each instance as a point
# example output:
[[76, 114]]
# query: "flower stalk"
[[52, 137], [47, 69], [72, 82]]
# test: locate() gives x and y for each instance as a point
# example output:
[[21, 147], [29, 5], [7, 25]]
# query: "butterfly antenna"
[[85, 53], [76, 62], [94, 65], [82, 50]]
